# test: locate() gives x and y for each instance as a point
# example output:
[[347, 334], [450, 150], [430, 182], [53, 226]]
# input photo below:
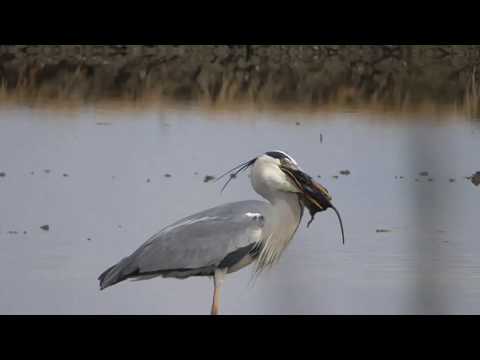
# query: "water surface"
[[97, 178]]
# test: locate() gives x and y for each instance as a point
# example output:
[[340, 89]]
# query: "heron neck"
[[286, 215], [288, 212]]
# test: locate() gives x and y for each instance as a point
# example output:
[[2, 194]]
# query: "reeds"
[[316, 78], [472, 95]]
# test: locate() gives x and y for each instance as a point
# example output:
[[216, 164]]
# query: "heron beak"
[[315, 197]]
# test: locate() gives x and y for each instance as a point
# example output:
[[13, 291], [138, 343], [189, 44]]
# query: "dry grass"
[[404, 80], [472, 96], [155, 102], [73, 95]]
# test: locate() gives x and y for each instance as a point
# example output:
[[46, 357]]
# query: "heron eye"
[[288, 163]]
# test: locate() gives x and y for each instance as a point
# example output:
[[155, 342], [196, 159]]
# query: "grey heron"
[[227, 238]]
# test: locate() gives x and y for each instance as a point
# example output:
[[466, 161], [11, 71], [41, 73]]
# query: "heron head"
[[276, 171], [268, 177]]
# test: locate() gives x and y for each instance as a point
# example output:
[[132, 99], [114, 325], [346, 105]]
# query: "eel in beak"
[[314, 196]]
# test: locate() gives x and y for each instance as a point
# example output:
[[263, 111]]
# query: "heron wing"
[[200, 241]]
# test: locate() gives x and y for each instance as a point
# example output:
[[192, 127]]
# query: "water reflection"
[[105, 208]]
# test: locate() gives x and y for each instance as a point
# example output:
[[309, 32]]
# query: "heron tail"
[[113, 275]]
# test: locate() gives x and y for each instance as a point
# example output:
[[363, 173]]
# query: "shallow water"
[[106, 192]]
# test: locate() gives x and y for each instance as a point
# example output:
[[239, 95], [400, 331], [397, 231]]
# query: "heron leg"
[[217, 284]]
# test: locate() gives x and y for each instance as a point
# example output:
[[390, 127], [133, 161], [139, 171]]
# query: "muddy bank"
[[271, 74]]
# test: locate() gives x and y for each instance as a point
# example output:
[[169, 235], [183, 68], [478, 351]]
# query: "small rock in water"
[[401, 177], [148, 181], [2, 174], [47, 171], [168, 175], [13, 232], [208, 178], [297, 123], [32, 172], [104, 123], [345, 172], [475, 179], [383, 231], [24, 233], [195, 173], [335, 177], [430, 180], [424, 173], [89, 239], [65, 175], [45, 227]]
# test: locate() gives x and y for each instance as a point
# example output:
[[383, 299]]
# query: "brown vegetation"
[[391, 76]]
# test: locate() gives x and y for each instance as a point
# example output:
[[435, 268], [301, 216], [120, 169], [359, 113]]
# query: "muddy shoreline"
[[310, 75]]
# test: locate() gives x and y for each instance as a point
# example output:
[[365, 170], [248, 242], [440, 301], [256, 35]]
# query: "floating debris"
[[451, 180], [47, 171], [32, 172], [345, 172], [168, 175], [319, 176], [45, 227], [430, 180], [12, 233], [321, 139], [2, 174], [89, 239], [65, 175], [335, 177], [401, 178], [423, 173], [148, 181], [383, 231], [24, 233], [475, 179], [417, 180], [208, 178], [297, 123], [104, 123]]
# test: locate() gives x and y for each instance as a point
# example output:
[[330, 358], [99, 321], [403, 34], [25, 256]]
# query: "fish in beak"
[[314, 196]]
